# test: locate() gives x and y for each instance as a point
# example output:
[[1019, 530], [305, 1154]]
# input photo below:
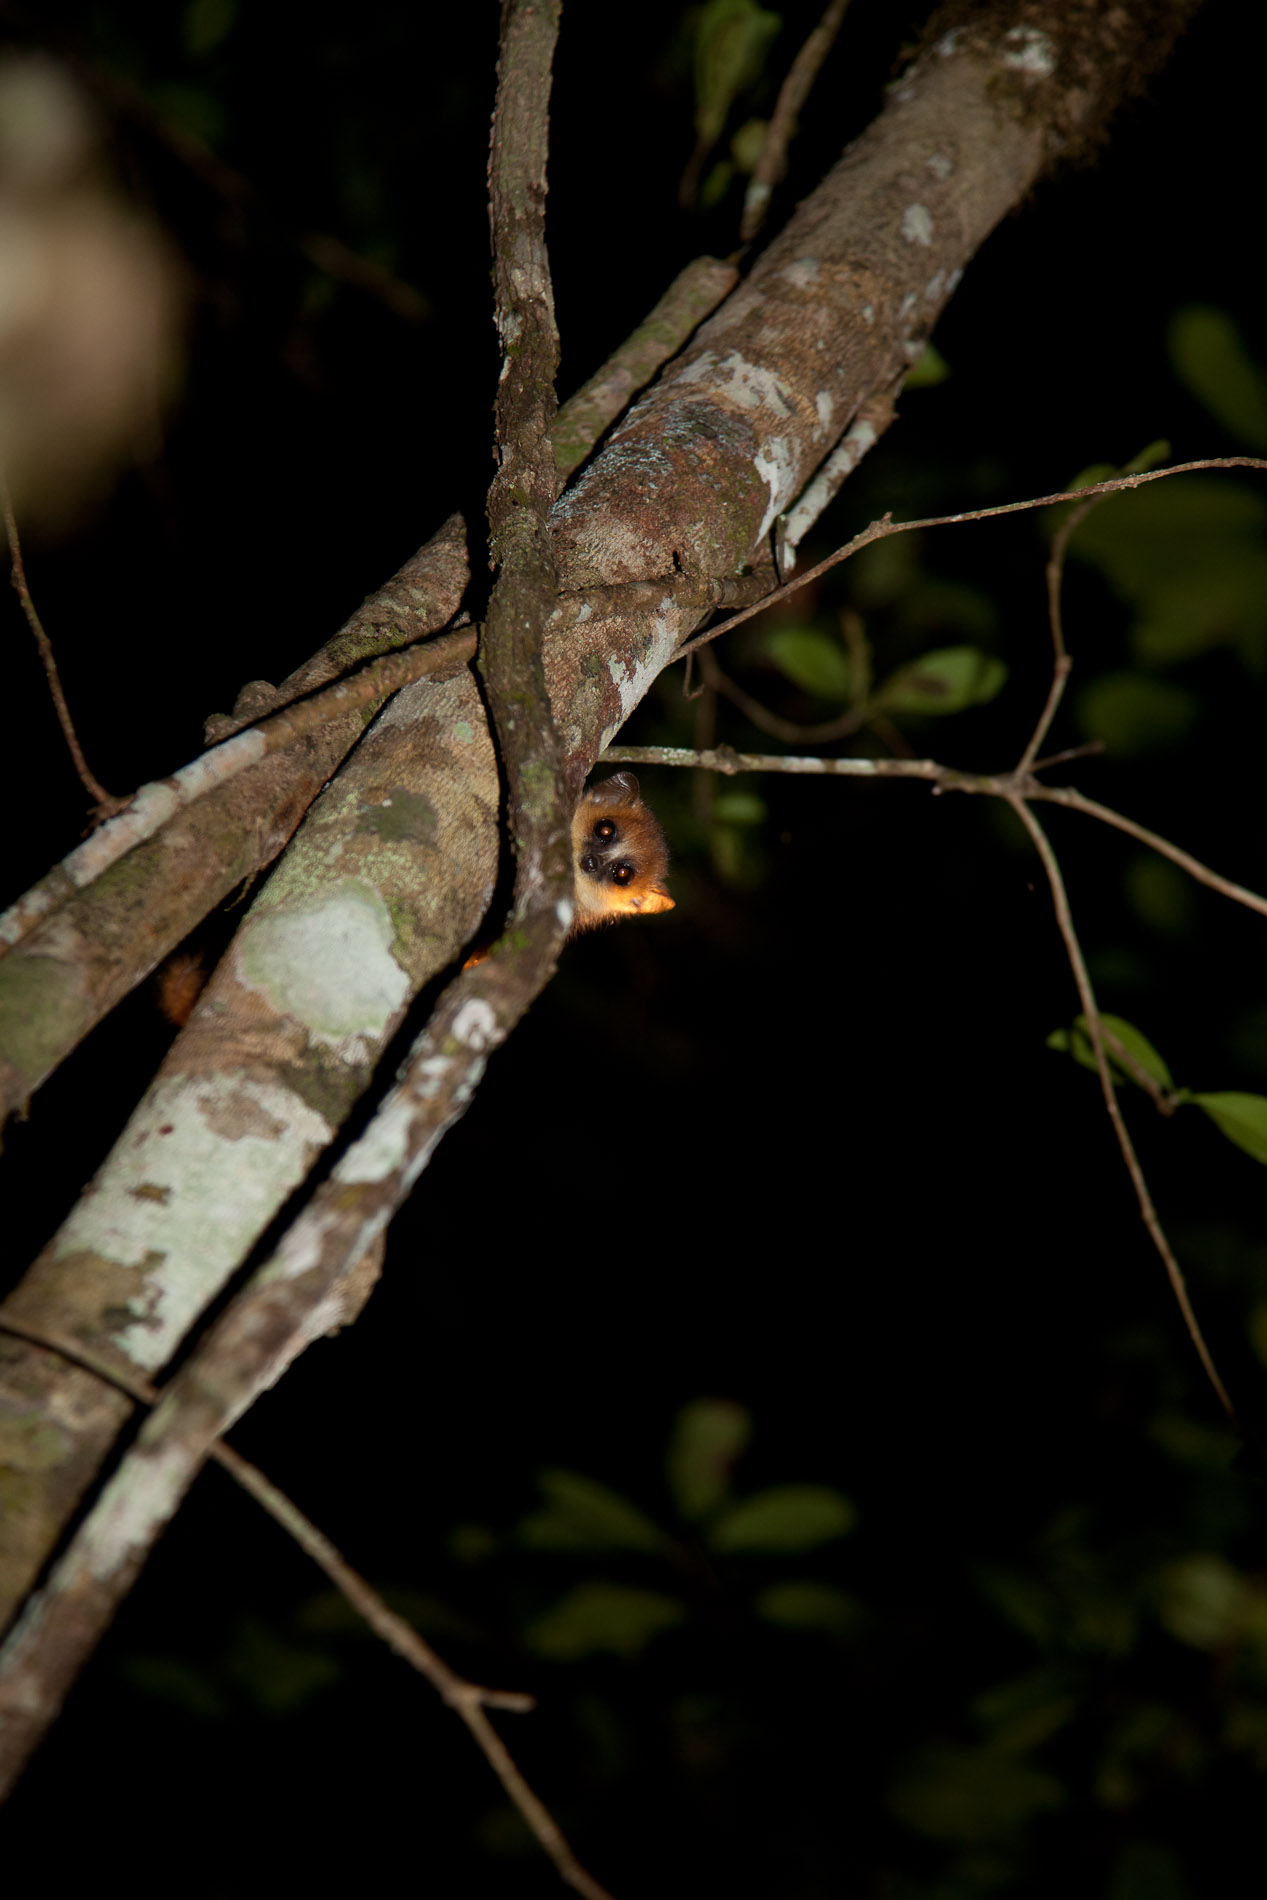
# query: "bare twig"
[[1090, 1010], [468, 1699], [772, 161], [105, 802], [765, 720], [878, 530], [1076, 801], [401, 1636], [944, 778]]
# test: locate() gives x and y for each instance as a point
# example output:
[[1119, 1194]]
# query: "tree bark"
[[392, 871]]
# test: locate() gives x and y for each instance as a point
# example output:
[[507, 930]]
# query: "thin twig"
[[878, 530], [944, 778], [105, 802], [1076, 801], [401, 1636], [1090, 1010], [772, 161], [766, 721], [468, 1699]]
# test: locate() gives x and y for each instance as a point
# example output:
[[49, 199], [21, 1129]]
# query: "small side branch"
[[1095, 1028], [795, 90], [105, 801], [878, 530]]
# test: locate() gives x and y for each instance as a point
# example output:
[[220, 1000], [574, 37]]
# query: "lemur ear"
[[657, 898], [619, 785]]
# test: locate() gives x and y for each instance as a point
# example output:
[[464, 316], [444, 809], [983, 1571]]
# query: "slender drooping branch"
[[1095, 1029], [879, 530], [795, 90], [105, 801]]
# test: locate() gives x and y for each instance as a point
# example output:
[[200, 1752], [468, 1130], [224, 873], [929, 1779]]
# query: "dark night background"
[[799, 1146]]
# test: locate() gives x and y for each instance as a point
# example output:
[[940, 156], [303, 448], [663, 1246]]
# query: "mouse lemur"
[[619, 855]]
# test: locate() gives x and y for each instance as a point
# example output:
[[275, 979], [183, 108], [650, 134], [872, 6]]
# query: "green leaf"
[[1077, 1043], [805, 1605], [582, 1514], [746, 145], [598, 1618], [738, 807], [943, 682], [1210, 359], [786, 1517], [931, 369], [732, 38], [1130, 713], [1204, 1602], [971, 1794], [708, 1437], [1242, 1118], [812, 660]]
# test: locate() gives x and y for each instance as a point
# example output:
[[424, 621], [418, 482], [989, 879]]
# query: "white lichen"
[[1027, 49], [802, 274], [774, 464], [939, 165], [326, 962], [195, 1176], [917, 224], [475, 1024]]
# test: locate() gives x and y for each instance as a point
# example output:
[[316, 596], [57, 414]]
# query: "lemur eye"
[[605, 829], [622, 874]]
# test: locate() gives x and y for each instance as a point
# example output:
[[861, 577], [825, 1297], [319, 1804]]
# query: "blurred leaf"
[[278, 1675], [1020, 1714], [812, 660], [471, 1543], [1027, 1605], [934, 606], [810, 1606], [1159, 893], [880, 574], [1130, 713], [582, 1514], [169, 1679], [737, 807], [1188, 556], [708, 1437], [943, 682], [207, 22], [598, 1618], [1204, 1601], [745, 146], [785, 1517], [971, 1794], [191, 109], [1077, 1042], [716, 184], [732, 38], [1242, 1118], [1210, 359], [1146, 1870], [931, 369]]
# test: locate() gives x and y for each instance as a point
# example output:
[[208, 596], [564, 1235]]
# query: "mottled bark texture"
[[98, 942], [387, 876]]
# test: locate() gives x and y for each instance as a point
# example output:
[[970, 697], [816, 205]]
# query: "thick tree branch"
[[396, 862]]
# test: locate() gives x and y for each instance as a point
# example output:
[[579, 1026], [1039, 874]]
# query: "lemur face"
[[619, 854]]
